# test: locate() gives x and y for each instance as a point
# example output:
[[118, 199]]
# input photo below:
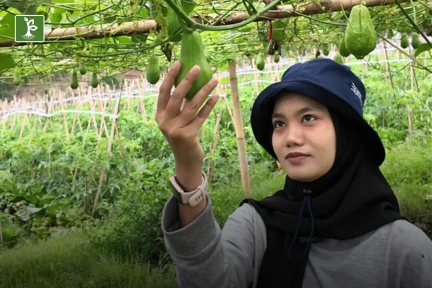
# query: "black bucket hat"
[[328, 82]]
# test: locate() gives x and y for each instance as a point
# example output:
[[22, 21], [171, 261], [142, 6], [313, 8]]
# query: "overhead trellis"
[[129, 28], [116, 36]]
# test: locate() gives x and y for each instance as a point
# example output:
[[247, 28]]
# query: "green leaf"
[[143, 12], [56, 16], [279, 30], [139, 38], [6, 62], [87, 20], [422, 48], [23, 6], [188, 6], [124, 39], [7, 27]]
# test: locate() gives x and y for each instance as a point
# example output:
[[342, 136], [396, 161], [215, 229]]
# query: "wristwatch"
[[191, 197]]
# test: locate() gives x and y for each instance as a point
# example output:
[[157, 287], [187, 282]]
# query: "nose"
[[294, 136]]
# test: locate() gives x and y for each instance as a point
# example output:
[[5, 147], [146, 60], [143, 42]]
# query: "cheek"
[[329, 148], [276, 144]]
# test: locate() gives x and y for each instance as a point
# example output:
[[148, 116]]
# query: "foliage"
[[48, 181], [114, 260], [115, 53]]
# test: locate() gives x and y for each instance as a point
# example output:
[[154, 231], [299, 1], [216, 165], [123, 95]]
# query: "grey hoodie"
[[397, 255]]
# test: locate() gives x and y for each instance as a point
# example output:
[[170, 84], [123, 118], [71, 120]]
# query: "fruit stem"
[[193, 25]]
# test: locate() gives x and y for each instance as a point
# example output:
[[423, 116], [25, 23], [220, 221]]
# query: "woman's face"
[[304, 127]]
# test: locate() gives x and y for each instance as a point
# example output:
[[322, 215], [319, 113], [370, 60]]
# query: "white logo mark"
[[356, 92], [30, 27]]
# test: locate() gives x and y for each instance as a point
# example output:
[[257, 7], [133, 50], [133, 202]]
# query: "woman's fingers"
[[203, 114], [192, 106], [165, 88], [175, 103]]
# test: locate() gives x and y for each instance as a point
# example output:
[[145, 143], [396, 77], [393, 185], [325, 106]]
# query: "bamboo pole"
[[414, 79], [78, 106], [142, 92], [14, 120], [214, 144], [47, 111], [101, 107], [255, 77], [388, 71], [102, 177], [34, 129], [122, 152], [23, 124], [238, 124], [128, 99], [409, 122], [411, 69], [92, 108], [229, 109], [64, 116]]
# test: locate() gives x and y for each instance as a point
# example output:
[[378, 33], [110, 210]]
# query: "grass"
[[72, 261]]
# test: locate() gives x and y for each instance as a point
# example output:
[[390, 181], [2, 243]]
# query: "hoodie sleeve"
[[412, 257], [206, 256]]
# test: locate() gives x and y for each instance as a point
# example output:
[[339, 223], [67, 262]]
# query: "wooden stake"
[[142, 92], [102, 177], [34, 129], [409, 122], [414, 79], [214, 144], [24, 122], [102, 106], [78, 106], [255, 77], [92, 108], [3, 109], [122, 151], [64, 118], [238, 124]]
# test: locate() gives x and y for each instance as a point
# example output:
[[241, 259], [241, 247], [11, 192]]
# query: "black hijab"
[[350, 200]]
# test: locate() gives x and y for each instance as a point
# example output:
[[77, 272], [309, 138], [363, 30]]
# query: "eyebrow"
[[300, 111]]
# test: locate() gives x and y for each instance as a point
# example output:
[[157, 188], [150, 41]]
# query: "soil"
[[425, 226]]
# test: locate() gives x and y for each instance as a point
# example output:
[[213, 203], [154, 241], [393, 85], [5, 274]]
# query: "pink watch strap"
[[191, 197]]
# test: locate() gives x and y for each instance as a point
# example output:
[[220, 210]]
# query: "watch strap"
[[190, 197]]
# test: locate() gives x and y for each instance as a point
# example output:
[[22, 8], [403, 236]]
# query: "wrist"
[[189, 194], [189, 176], [190, 155]]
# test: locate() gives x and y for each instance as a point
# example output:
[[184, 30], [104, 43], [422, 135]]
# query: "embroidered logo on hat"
[[356, 92]]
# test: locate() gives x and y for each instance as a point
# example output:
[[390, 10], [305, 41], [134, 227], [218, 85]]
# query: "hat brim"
[[263, 109]]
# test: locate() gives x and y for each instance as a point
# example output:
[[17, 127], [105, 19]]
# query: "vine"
[[117, 35]]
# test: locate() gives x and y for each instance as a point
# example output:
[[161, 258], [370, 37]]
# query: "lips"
[[295, 154]]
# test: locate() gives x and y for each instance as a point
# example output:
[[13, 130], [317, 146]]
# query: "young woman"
[[335, 223]]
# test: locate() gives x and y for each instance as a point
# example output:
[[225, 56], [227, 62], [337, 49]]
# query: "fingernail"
[[195, 69], [214, 81]]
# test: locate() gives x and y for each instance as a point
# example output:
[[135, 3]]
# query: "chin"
[[302, 177]]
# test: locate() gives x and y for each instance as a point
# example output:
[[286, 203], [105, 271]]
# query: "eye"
[[276, 123], [310, 117]]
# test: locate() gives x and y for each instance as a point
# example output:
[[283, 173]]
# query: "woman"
[[335, 223]]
